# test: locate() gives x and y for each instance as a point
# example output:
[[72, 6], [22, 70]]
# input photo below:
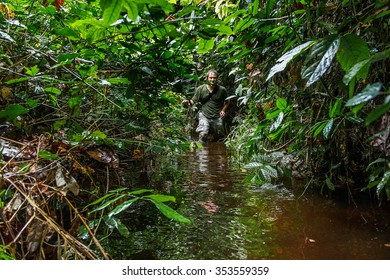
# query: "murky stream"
[[232, 219]]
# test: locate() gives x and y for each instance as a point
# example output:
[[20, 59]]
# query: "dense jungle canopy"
[[87, 84]]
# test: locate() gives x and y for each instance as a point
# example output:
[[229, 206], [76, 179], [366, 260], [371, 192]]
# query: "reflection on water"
[[235, 220]]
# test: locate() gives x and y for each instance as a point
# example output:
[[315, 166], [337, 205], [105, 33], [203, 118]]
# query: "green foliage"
[[331, 72], [282, 62], [353, 49], [309, 77], [117, 201], [4, 253], [326, 49], [379, 177]]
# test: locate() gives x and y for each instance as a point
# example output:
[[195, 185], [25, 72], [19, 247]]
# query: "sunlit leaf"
[[278, 122], [324, 63], [328, 128], [368, 93], [186, 10], [382, 184], [114, 222], [122, 207], [282, 62], [5, 36], [269, 172], [255, 7], [224, 30], [238, 90], [273, 114], [111, 10], [170, 213], [164, 4], [66, 31], [253, 165]]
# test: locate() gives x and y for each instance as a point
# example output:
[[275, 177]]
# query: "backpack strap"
[[215, 90]]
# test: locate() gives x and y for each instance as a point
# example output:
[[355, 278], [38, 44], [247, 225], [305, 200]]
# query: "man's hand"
[[222, 114], [186, 102]]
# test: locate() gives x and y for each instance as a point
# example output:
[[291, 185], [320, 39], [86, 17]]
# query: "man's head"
[[212, 76]]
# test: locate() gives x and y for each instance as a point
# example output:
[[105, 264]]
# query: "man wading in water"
[[212, 97]]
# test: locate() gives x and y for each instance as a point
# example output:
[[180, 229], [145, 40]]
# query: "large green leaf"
[[170, 213], [282, 62], [132, 10], [353, 49], [325, 61], [111, 10]]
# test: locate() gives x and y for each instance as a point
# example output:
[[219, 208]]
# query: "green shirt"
[[212, 106]]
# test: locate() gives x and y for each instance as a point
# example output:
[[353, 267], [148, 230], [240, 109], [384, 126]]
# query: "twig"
[[77, 245], [278, 148], [89, 229]]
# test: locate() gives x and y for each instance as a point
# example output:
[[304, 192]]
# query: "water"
[[232, 219]]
